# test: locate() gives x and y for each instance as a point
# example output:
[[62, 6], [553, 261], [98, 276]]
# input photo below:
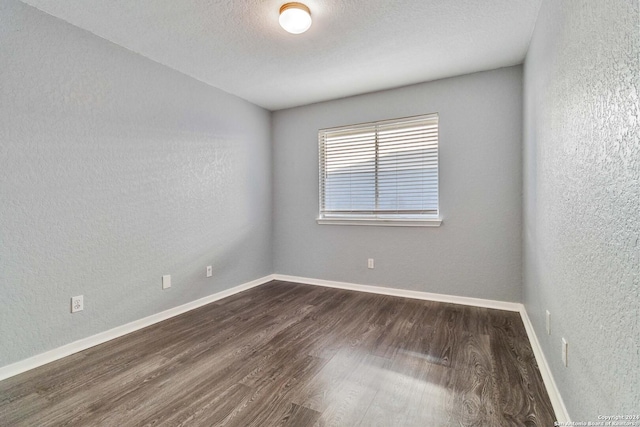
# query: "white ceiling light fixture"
[[295, 17]]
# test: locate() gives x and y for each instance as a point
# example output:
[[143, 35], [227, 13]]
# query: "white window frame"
[[375, 217]]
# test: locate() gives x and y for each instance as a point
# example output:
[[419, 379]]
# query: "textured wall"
[[582, 200], [115, 170], [477, 250]]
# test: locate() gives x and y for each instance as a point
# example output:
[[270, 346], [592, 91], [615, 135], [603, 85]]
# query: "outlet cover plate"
[[548, 322], [166, 281], [77, 304]]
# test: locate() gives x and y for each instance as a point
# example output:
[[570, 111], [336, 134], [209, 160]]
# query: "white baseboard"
[[552, 389], [102, 337], [476, 302]]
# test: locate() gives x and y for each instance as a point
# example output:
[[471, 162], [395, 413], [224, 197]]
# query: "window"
[[380, 173]]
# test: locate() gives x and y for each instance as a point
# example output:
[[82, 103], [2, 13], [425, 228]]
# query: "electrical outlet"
[[565, 349], [209, 271], [548, 320], [370, 263], [77, 304], [166, 281]]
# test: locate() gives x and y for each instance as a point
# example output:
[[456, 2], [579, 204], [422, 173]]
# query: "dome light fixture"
[[295, 17]]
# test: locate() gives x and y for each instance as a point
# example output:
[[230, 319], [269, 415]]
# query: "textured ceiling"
[[353, 46]]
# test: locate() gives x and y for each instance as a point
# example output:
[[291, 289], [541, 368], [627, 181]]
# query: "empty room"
[[319, 213]]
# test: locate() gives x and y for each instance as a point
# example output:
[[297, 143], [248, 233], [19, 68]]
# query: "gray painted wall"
[[477, 250], [115, 170], [582, 200]]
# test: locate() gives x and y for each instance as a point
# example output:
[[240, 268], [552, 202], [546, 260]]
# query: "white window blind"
[[386, 169]]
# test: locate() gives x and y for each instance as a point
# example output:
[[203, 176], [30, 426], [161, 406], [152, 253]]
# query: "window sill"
[[408, 222]]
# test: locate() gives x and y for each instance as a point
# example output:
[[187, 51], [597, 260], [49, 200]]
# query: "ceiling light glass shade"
[[295, 17]]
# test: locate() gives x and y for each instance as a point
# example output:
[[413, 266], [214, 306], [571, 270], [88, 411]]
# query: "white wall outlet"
[[548, 321], [565, 349], [370, 263], [166, 281], [77, 304], [209, 271]]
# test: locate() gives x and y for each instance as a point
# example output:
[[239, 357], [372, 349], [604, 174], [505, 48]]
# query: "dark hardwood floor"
[[285, 354]]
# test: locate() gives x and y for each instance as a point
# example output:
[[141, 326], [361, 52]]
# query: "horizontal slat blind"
[[380, 170]]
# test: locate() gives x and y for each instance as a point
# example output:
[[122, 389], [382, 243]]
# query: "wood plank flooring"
[[286, 354]]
